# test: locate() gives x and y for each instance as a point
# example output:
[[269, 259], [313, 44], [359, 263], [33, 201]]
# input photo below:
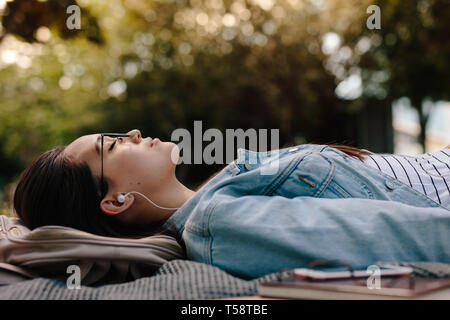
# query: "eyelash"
[[114, 143]]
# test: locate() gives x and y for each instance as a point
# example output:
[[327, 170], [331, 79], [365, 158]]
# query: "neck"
[[177, 194], [172, 195]]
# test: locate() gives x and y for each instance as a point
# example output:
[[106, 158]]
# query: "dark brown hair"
[[351, 151], [54, 190]]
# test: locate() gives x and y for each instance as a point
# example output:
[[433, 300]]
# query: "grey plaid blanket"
[[177, 279]]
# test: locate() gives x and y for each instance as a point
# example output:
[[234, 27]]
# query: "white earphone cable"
[[148, 200]]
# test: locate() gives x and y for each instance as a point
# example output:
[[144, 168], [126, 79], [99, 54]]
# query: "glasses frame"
[[111, 135]]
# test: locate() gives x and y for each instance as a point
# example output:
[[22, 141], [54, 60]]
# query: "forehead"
[[83, 148]]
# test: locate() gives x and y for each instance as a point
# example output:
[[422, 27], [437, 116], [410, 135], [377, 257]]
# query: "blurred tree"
[[410, 55], [23, 18], [232, 64], [260, 73]]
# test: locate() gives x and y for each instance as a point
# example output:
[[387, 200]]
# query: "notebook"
[[389, 287]]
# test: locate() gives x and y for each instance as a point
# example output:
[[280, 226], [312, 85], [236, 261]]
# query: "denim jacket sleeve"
[[254, 235]]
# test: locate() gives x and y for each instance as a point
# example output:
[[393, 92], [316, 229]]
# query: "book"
[[389, 288]]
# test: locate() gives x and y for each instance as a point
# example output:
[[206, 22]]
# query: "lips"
[[154, 142]]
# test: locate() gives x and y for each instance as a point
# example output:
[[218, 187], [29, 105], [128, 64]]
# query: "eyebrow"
[[97, 148]]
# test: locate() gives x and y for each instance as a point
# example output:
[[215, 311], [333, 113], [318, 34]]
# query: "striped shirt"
[[427, 173]]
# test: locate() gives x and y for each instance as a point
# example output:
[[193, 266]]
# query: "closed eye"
[[113, 144]]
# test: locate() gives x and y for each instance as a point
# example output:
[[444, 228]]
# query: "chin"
[[166, 145], [169, 143], [174, 153]]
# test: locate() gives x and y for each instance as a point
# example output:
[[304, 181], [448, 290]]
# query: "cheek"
[[156, 166], [124, 166], [160, 167]]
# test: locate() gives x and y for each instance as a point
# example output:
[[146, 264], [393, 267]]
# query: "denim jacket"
[[267, 211]]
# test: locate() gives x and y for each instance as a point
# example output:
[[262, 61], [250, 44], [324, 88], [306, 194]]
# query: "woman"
[[263, 212]]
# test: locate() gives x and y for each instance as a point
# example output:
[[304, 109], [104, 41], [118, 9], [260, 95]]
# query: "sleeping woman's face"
[[130, 163]]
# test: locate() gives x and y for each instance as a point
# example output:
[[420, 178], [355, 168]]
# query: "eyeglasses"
[[111, 135]]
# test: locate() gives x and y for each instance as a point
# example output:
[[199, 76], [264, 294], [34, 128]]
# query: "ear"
[[111, 206]]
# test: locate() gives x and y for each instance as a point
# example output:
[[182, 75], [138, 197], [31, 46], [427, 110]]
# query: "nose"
[[135, 135]]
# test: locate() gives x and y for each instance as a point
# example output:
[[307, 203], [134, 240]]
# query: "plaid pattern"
[[175, 280]]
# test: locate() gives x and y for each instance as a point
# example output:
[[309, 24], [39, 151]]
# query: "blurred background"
[[310, 68]]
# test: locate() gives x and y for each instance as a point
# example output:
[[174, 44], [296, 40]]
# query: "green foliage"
[[23, 18], [7, 213], [410, 53]]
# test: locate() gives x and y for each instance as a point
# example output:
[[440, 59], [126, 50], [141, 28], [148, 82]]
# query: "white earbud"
[[121, 199]]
